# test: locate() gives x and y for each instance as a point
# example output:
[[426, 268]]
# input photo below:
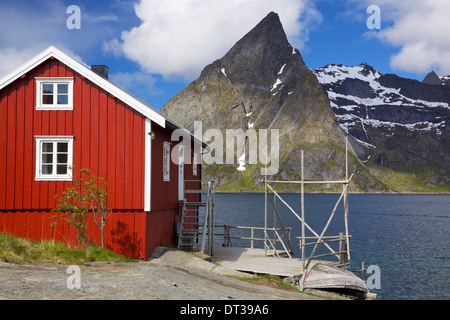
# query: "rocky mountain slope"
[[396, 124], [393, 124], [263, 83]]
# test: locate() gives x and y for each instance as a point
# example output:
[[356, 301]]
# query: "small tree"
[[98, 203], [87, 194]]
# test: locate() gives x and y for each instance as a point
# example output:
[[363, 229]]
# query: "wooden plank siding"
[[108, 139], [125, 232]]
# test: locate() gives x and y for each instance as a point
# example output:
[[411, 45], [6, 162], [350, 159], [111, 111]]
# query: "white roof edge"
[[119, 93]]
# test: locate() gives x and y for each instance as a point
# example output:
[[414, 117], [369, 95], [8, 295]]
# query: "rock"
[[398, 123], [263, 83], [182, 259], [432, 78]]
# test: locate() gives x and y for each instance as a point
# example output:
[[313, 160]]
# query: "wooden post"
[[274, 218], [346, 158], [265, 215], [363, 272], [303, 212], [206, 223], [346, 199], [213, 204], [225, 240], [341, 248]]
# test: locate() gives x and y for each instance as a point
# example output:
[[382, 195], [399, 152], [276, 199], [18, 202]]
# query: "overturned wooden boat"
[[328, 278]]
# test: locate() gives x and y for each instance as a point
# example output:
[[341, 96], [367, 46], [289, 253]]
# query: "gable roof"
[[132, 101]]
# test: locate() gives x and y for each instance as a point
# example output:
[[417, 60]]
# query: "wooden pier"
[[275, 253], [255, 261]]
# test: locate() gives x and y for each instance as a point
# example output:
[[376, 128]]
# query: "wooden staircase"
[[196, 229]]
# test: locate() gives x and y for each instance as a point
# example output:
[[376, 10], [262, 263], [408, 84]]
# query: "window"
[[166, 161], [54, 93], [194, 164], [54, 158]]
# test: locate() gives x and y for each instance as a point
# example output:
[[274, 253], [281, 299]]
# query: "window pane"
[[47, 88], [47, 158], [62, 158], [63, 99], [63, 88], [61, 169], [63, 147], [47, 99], [47, 169], [47, 147]]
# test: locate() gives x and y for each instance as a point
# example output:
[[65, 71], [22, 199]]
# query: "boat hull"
[[324, 277]]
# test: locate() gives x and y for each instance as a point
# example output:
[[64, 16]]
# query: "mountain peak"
[[432, 78], [272, 17], [256, 60], [262, 83], [265, 46], [268, 28], [271, 23], [367, 69]]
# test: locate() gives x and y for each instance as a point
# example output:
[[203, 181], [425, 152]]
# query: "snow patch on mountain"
[[333, 73], [370, 111], [223, 71]]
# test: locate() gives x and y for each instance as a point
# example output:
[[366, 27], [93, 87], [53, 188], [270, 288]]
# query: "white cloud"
[[112, 46], [136, 82], [99, 18], [28, 27], [422, 57], [179, 38], [420, 29], [12, 58]]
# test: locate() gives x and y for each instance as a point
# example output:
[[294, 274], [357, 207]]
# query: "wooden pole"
[[213, 204], [303, 211], [309, 182], [341, 248], [346, 199], [265, 215], [274, 217], [275, 233], [346, 158]]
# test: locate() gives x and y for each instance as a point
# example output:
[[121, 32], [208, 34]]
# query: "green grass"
[[268, 280], [22, 251], [414, 179]]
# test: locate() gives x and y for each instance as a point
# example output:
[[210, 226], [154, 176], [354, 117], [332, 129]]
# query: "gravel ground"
[[168, 275]]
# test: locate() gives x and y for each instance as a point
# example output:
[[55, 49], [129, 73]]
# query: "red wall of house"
[[165, 206], [109, 140], [125, 231]]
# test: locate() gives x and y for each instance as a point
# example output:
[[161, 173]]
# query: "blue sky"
[[155, 48]]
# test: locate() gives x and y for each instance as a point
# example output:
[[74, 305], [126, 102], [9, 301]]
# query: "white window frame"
[[194, 164], [166, 161], [54, 176], [55, 81]]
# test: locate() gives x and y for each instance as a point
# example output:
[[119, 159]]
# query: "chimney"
[[100, 70]]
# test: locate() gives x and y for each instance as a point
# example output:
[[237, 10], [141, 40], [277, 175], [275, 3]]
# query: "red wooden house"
[[56, 113]]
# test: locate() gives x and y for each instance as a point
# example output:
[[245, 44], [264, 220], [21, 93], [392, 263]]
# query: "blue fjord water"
[[406, 236]]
